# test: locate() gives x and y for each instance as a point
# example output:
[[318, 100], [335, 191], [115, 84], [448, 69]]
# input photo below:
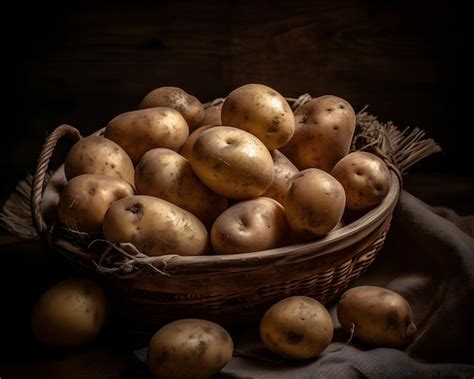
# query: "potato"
[[98, 155], [262, 111], [155, 227], [189, 348], [69, 314], [284, 171], [165, 174], [365, 178], [212, 115], [380, 317], [314, 203], [251, 225], [172, 97], [86, 198], [232, 162], [324, 128], [297, 327], [139, 131], [187, 147]]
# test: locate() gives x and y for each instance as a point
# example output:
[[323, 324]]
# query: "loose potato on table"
[[165, 174], [212, 115], [139, 131], [262, 111], [69, 314], [251, 225], [232, 162], [98, 155], [187, 147], [297, 327], [324, 128], [365, 178], [173, 97], [284, 171], [314, 203], [380, 317], [189, 348], [155, 227], [86, 198]]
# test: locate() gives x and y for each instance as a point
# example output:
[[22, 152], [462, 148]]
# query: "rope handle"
[[295, 102], [42, 168]]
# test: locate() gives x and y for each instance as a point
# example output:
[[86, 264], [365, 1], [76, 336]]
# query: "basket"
[[229, 289]]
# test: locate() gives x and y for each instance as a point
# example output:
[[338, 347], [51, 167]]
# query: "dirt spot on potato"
[[293, 338], [202, 348], [393, 321], [135, 208]]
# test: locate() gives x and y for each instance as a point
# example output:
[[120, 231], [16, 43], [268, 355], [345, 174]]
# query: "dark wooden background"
[[85, 62]]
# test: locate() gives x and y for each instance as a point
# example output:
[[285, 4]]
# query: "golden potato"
[[232, 162], [365, 178], [262, 111], [139, 131], [69, 314], [98, 155], [297, 327], [380, 317], [173, 97], [284, 171], [165, 174], [187, 147], [324, 128], [86, 198], [212, 115], [155, 227], [251, 225], [314, 203], [189, 348]]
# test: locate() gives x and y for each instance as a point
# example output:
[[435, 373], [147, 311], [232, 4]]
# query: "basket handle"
[[41, 169]]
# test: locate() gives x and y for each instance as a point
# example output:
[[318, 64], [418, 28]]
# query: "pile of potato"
[[242, 176]]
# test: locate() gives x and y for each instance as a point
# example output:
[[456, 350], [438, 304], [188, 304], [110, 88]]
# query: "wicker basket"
[[228, 289]]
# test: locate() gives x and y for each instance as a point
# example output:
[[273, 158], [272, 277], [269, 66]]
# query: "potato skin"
[[86, 198], [324, 128], [251, 225], [380, 316], [189, 348], [262, 111], [284, 171], [314, 203], [187, 147], [155, 227], [165, 174], [232, 162], [365, 178], [139, 131], [173, 97], [100, 156], [297, 327], [212, 115], [69, 314]]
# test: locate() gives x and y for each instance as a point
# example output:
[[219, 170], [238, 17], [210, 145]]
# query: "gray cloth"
[[428, 260]]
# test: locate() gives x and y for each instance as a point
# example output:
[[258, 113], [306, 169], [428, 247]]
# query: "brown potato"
[[262, 111], [165, 174], [189, 348], [365, 178], [98, 155], [324, 128], [139, 131], [380, 317], [284, 171], [314, 203], [155, 227], [173, 97], [212, 115], [86, 198], [69, 314], [297, 327], [251, 225], [187, 148], [232, 162]]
